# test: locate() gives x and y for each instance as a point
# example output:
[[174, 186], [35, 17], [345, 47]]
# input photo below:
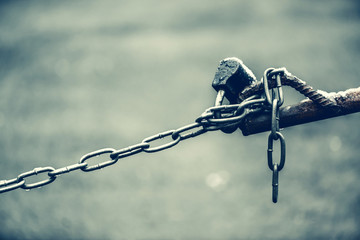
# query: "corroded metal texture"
[[289, 79], [232, 76], [345, 102]]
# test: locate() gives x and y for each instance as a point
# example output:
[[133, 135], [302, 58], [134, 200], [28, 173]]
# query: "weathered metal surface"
[[288, 79], [306, 111], [232, 76]]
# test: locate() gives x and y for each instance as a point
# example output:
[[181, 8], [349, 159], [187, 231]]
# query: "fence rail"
[[306, 111]]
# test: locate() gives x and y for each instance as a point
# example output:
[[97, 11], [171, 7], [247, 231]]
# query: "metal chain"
[[275, 100], [258, 97], [213, 119]]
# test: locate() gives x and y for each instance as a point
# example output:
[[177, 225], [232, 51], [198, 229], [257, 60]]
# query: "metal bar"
[[306, 111]]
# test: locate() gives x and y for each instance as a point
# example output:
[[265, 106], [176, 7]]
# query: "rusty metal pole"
[[306, 111]]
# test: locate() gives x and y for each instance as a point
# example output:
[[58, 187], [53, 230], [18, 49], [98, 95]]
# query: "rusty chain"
[[254, 99]]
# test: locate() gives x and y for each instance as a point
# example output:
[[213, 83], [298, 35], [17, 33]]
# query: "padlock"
[[231, 77]]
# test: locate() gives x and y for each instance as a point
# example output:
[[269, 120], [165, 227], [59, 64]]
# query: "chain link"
[[96, 154], [129, 151], [275, 100], [269, 73], [36, 171], [177, 134], [8, 185], [160, 136], [67, 169], [270, 151], [275, 183], [275, 119], [212, 119]]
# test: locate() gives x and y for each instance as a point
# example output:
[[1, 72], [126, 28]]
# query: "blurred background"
[[77, 76]]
